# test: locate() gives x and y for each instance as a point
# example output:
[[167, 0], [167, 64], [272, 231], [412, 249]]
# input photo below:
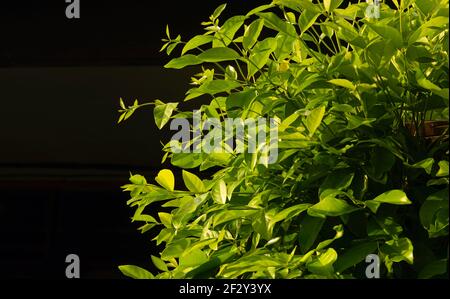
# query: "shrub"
[[355, 175]]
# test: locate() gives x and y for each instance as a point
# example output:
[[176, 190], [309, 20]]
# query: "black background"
[[63, 158], [108, 33]]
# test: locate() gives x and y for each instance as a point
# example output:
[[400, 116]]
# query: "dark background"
[[63, 158]]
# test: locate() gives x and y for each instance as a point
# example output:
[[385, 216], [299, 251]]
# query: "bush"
[[355, 174]]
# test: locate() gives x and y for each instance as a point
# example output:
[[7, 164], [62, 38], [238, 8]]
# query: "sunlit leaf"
[[166, 179], [193, 182], [135, 272]]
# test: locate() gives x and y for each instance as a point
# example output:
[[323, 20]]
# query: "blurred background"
[[63, 157]]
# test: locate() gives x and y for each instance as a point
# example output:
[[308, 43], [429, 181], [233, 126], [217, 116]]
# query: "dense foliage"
[[354, 176]]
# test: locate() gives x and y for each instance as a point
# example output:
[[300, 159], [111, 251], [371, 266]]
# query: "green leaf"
[[193, 258], [135, 272], [230, 73], [343, 83], [437, 182], [331, 5], [167, 31], [288, 121], [183, 61], [339, 179], [355, 122], [252, 33], [355, 255], [323, 265], [351, 12], [218, 55], [186, 160], [219, 192], [433, 269], [218, 11], [142, 217], [439, 22], [227, 31], [218, 258], [434, 214], [383, 226], [162, 113], [138, 179], [216, 86], [259, 9], [388, 33], [343, 108], [273, 22], [156, 194], [260, 225], [428, 28], [331, 206], [193, 183], [240, 99], [423, 82], [164, 235], [285, 48], [426, 164], [196, 42], [122, 104], [381, 161], [171, 47], [166, 219], [290, 212], [427, 6], [250, 263], [345, 30], [159, 263], [398, 250], [166, 179], [339, 229], [229, 215], [307, 19], [395, 197], [443, 169], [146, 227], [298, 5], [175, 249], [206, 242], [309, 230], [260, 55], [314, 119]]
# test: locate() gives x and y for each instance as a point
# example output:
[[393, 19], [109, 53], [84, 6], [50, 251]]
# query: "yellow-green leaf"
[[343, 83], [443, 169], [314, 119], [162, 113], [135, 272], [396, 197], [192, 182], [331, 206], [159, 263], [219, 192], [166, 179], [183, 61], [252, 33], [196, 41], [166, 219]]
